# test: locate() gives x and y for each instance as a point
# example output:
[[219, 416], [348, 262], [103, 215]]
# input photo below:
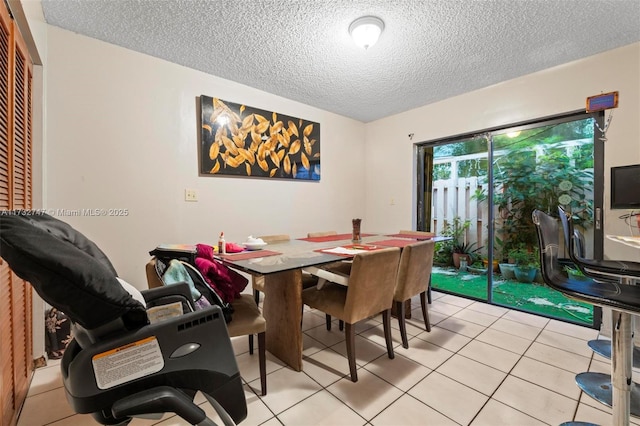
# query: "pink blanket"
[[226, 282]]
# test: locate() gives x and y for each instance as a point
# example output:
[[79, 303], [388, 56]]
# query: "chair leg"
[[386, 323], [251, 344], [425, 312], [340, 325], [263, 362], [351, 347], [401, 323], [429, 291], [256, 296], [327, 319]]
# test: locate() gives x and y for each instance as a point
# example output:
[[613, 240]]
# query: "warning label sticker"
[[129, 362]]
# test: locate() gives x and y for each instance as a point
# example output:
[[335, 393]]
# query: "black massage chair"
[[119, 365]]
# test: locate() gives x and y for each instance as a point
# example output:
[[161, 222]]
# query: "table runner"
[[248, 255]]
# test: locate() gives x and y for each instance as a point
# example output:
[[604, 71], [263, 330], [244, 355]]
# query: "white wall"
[[549, 92], [122, 133]]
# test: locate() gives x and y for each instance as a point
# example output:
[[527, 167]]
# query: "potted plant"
[[449, 252], [526, 264], [463, 251]]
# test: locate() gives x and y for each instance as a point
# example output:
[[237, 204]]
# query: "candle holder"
[[355, 235]]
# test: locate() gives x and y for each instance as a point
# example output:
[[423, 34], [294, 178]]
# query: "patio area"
[[533, 297]]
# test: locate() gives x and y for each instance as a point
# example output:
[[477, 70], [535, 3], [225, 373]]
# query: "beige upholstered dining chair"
[[246, 320], [418, 233], [321, 234], [422, 234], [414, 274], [369, 292]]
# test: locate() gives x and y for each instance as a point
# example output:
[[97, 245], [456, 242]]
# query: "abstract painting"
[[240, 140]]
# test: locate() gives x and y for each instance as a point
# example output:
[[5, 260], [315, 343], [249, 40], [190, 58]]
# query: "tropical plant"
[[455, 229], [539, 171], [468, 249], [524, 258]]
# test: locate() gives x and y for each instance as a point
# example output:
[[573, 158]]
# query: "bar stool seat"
[[599, 270], [618, 390]]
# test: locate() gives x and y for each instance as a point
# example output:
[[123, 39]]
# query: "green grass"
[[534, 297]]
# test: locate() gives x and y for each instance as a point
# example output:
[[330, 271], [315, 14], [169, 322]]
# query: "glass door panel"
[[460, 171], [487, 210], [539, 168]]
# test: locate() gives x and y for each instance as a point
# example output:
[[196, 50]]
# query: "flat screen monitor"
[[625, 187]]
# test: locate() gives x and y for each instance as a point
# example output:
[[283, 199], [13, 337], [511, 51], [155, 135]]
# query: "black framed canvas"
[[240, 140]]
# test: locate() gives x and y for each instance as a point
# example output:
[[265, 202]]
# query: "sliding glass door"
[[483, 189]]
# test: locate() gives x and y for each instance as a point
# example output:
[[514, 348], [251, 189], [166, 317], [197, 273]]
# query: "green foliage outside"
[[540, 169]]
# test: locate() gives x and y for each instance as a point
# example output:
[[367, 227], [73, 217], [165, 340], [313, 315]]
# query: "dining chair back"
[[414, 276], [418, 233], [422, 234], [273, 239], [370, 289]]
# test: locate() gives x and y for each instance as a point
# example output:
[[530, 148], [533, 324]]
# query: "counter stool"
[[617, 390], [624, 272]]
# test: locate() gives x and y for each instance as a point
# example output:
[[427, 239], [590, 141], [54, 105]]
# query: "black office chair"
[[616, 390], [118, 365]]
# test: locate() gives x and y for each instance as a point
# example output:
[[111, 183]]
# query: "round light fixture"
[[366, 30]]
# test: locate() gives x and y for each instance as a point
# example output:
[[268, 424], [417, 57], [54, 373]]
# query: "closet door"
[[16, 72]]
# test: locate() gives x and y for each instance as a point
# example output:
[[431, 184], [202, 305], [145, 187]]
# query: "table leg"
[[282, 309]]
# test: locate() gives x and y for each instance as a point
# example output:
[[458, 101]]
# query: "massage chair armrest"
[[179, 292]]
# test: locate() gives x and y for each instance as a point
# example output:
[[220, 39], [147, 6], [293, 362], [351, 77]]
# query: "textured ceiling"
[[300, 49]]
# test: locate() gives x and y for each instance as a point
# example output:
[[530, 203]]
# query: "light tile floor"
[[479, 365]]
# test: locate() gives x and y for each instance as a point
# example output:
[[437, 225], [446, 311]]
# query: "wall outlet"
[[190, 195]]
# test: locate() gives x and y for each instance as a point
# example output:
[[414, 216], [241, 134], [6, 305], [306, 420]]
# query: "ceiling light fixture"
[[366, 30]]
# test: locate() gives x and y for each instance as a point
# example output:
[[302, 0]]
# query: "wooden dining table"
[[281, 266]]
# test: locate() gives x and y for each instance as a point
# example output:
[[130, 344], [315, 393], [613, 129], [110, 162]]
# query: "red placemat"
[[248, 255], [412, 236], [393, 243], [336, 237]]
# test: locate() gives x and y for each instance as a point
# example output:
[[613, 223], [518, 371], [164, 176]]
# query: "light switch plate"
[[190, 195]]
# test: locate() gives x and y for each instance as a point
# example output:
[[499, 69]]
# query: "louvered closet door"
[[16, 355], [21, 184], [7, 401]]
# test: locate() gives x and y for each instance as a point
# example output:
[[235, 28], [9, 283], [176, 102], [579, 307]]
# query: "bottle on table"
[[222, 245]]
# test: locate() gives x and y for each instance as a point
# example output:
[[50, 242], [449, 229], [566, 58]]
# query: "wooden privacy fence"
[[454, 198]]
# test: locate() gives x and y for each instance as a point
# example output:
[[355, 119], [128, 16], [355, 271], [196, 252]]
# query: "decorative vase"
[[355, 235], [525, 275], [463, 264], [495, 268], [506, 269], [456, 259]]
